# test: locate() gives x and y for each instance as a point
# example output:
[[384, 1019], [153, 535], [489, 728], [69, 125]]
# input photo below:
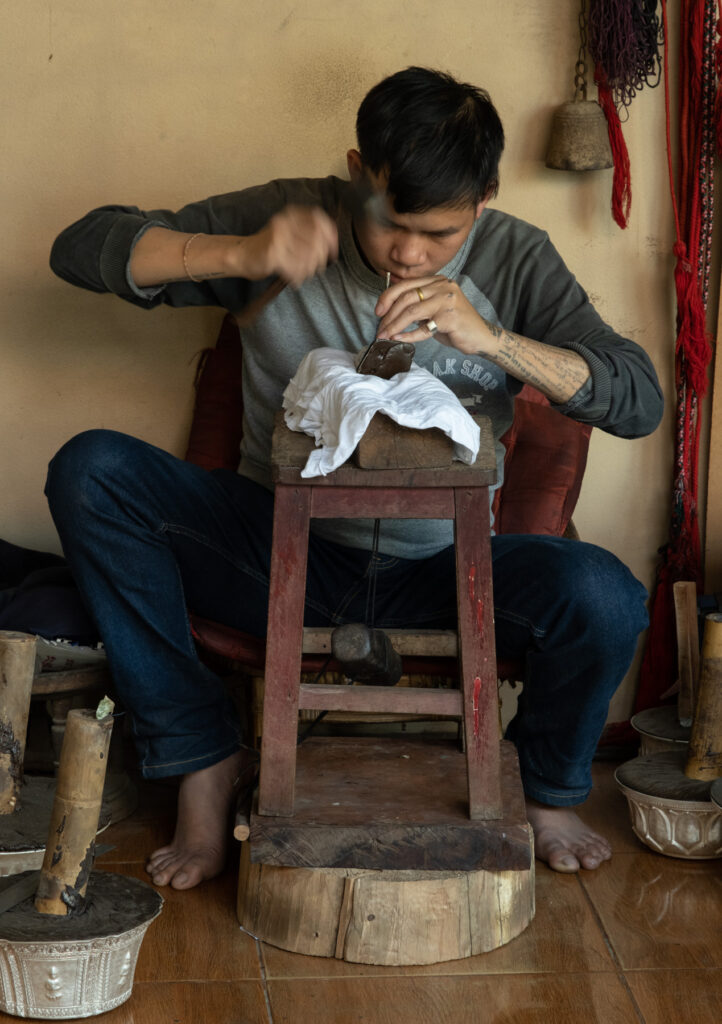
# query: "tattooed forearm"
[[558, 373]]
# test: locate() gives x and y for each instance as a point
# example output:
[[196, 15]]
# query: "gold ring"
[[420, 294]]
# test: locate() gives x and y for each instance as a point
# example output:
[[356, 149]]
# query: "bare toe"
[[198, 848], [563, 841]]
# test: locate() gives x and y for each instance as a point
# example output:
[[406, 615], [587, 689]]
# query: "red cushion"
[[217, 426], [546, 455]]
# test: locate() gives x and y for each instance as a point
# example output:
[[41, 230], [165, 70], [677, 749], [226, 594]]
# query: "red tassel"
[[622, 182], [692, 336], [718, 97]]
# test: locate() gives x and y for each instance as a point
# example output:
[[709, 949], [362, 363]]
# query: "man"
[[489, 304]]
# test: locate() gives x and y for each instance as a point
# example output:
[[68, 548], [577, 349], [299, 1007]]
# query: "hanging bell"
[[579, 137]]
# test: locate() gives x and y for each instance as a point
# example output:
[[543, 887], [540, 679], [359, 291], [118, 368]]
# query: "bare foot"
[[563, 841], [198, 848]]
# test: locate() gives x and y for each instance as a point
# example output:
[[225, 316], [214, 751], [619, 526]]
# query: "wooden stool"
[[460, 493], [357, 845]]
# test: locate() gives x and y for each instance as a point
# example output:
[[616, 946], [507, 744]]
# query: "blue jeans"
[[148, 536]]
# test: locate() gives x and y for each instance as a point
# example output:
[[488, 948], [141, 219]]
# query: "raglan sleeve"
[[623, 395], [95, 251]]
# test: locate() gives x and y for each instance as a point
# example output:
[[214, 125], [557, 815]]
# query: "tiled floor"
[[639, 940]]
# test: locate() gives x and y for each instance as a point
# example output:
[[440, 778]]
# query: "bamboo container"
[[704, 761], [685, 604], [76, 809], [17, 670], [669, 793]]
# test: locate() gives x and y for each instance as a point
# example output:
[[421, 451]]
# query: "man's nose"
[[408, 250]]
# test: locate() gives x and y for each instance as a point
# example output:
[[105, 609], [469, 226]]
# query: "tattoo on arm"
[[558, 373]]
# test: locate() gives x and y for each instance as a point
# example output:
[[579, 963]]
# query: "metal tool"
[[360, 200], [386, 358], [366, 654]]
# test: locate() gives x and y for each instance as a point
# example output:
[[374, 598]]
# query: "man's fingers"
[[409, 289], [416, 304], [303, 240]]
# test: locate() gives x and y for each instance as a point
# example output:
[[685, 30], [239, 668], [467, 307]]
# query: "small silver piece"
[[432, 326]]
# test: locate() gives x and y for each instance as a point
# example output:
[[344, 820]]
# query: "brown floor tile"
[[188, 1002], [191, 1003], [196, 937], [133, 839], [658, 911], [507, 999], [564, 936], [664, 996]]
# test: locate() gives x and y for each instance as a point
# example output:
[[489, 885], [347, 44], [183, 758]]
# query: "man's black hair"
[[438, 140]]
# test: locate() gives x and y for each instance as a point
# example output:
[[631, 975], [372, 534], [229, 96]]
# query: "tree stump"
[[391, 918]]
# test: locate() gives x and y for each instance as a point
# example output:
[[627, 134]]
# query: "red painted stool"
[[460, 493]]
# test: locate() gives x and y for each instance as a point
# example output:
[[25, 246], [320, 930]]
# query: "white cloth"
[[333, 403]]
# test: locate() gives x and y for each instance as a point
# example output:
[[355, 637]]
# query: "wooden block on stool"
[[392, 804], [386, 445]]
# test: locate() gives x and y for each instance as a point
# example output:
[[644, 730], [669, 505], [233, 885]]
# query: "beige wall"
[[165, 102]]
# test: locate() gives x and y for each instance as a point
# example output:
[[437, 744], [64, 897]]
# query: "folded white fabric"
[[333, 403]]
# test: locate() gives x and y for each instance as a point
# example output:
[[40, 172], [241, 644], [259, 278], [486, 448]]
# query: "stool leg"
[[477, 650], [283, 650]]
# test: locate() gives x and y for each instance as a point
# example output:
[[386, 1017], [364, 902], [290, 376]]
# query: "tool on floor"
[[669, 792], [668, 726], [25, 801], [74, 945]]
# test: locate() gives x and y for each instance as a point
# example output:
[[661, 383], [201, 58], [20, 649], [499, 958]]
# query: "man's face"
[[412, 245]]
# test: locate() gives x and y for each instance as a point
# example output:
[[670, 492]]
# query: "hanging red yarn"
[[692, 199], [624, 38], [718, 98], [622, 181]]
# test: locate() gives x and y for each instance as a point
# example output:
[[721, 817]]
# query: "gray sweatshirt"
[[507, 269]]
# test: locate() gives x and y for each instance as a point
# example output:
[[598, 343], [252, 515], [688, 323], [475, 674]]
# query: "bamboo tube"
[[705, 743], [685, 605], [17, 670], [74, 821]]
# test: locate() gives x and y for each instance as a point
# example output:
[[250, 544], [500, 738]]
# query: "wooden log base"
[[391, 804], [391, 918]]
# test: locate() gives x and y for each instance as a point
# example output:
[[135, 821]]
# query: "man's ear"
[[354, 164], [480, 208]]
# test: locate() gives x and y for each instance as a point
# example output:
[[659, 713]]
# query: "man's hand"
[[295, 244], [441, 310], [430, 299]]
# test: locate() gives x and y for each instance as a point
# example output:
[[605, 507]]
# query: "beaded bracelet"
[[195, 280]]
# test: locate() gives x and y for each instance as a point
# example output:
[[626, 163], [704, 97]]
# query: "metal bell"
[[579, 138]]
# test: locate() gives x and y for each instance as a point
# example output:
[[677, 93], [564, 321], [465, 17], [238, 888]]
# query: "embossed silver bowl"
[[677, 828], [56, 976]]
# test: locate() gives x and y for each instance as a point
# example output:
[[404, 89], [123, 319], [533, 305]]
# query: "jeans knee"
[[88, 456], [604, 592]]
